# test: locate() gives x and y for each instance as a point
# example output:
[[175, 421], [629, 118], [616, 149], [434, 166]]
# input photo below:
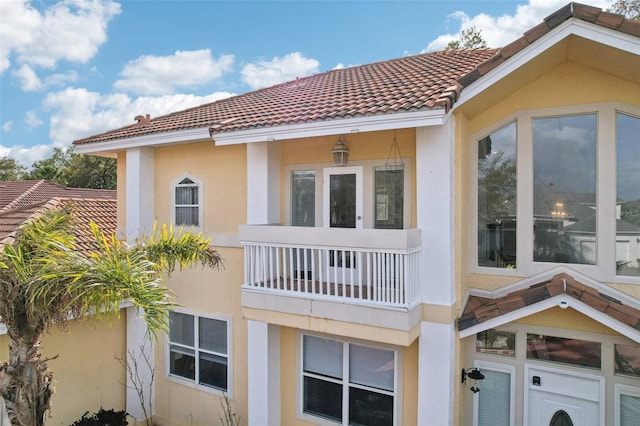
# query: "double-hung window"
[[199, 350], [348, 383], [187, 199]]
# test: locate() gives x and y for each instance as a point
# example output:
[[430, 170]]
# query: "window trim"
[[398, 372], [194, 383], [604, 268], [175, 184]]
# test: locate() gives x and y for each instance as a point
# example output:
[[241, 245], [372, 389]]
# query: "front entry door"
[[342, 197], [561, 397]]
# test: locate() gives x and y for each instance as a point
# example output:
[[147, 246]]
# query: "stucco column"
[[140, 216], [263, 345], [435, 373], [435, 186], [264, 373]]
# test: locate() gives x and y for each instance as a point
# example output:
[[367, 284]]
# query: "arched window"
[[187, 201]]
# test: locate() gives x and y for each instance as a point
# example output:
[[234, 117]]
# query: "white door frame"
[[596, 395], [326, 204]]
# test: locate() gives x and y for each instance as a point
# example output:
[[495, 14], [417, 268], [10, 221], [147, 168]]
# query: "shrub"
[[103, 418]]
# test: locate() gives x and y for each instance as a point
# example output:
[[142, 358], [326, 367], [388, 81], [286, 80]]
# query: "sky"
[[74, 68]]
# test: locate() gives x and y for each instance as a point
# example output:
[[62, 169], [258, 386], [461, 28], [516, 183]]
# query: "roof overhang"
[[563, 300], [371, 123], [576, 27], [156, 139]]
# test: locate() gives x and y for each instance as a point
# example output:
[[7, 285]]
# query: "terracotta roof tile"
[[101, 211], [401, 85], [16, 194], [480, 309], [406, 84]]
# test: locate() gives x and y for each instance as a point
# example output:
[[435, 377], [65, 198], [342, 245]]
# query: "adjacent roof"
[[16, 194], [409, 84], [37, 197], [478, 310]]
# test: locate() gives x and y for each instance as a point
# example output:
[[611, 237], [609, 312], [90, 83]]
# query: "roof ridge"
[[22, 196]]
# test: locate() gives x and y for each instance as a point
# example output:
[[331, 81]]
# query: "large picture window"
[[564, 189], [628, 195], [348, 383], [199, 350], [497, 198], [569, 196]]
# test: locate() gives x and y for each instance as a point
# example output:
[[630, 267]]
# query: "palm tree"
[[46, 280]]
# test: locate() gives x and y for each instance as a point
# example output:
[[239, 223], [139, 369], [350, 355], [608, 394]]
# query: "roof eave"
[[156, 139], [610, 37], [422, 118]]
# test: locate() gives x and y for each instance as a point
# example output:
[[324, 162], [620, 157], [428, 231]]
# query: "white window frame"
[[194, 383], [196, 182], [397, 393], [604, 268], [619, 390], [501, 368], [368, 187]]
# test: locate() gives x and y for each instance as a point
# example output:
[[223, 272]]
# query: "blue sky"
[[74, 68]]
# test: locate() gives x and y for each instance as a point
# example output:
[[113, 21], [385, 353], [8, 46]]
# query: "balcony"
[[367, 267]]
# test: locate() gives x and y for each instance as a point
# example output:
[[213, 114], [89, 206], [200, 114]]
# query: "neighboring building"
[[389, 227], [86, 374]]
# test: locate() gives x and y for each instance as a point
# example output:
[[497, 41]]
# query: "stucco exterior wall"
[[87, 375]]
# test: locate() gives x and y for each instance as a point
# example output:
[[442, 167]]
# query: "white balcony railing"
[[351, 265]]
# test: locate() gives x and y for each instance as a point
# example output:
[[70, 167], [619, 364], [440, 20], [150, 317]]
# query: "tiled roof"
[[16, 194], [481, 309], [583, 12], [83, 210], [411, 83], [21, 201], [414, 83]]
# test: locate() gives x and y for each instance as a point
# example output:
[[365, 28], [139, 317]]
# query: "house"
[[83, 349], [403, 240]]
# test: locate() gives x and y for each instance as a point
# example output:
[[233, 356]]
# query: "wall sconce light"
[[473, 374], [340, 153]]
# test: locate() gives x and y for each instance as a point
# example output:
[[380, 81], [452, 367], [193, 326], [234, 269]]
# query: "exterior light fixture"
[[473, 374], [340, 153]]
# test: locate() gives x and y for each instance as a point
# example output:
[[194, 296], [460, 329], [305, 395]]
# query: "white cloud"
[[32, 119], [6, 126], [29, 80], [499, 31], [70, 30], [78, 113], [26, 156], [278, 70], [162, 75]]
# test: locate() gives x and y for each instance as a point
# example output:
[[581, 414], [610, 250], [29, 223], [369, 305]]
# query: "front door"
[[342, 197], [561, 397]]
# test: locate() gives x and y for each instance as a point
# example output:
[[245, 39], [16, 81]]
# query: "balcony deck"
[[358, 266]]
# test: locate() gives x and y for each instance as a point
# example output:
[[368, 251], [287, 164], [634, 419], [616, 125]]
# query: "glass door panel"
[[342, 197]]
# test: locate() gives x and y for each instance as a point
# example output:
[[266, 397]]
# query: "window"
[[496, 342], [186, 199], [389, 198], [627, 405], [628, 195], [497, 198], [569, 351], [199, 350], [303, 198], [564, 189], [627, 360], [348, 383], [495, 404], [559, 186]]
